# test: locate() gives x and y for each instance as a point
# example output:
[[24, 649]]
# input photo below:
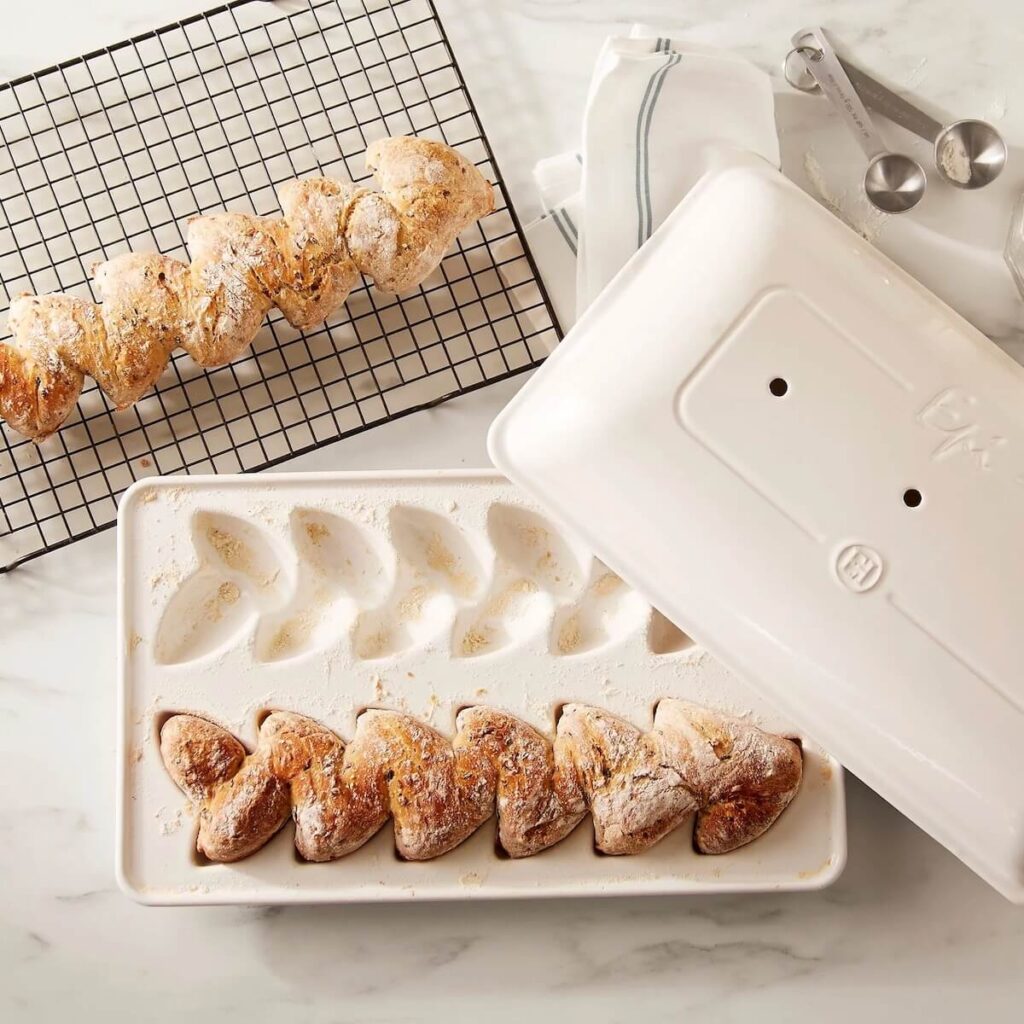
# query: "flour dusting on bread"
[[637, 786]]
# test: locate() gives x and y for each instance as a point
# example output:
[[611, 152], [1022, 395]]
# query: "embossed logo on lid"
[[859, 568]]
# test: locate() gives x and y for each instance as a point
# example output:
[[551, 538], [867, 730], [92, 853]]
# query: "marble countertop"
[[907, 927]]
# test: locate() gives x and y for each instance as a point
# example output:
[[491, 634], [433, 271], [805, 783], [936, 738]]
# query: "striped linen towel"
[[656, 110]]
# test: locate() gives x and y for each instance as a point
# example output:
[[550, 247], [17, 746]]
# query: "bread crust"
[[637, 786], [306, 263]]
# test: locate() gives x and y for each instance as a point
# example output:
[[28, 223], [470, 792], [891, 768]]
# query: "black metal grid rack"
[[116, 149]]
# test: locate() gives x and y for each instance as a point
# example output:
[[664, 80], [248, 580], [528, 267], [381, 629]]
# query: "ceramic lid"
[[816, 469]]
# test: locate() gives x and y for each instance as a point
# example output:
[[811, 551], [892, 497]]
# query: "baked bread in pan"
[[638, 787]]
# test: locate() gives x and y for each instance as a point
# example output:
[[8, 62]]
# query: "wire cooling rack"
[[116, 149]]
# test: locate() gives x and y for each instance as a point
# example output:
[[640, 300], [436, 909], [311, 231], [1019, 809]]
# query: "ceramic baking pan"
[[328, 594]]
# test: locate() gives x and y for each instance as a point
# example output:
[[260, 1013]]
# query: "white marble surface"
[[907, 928]]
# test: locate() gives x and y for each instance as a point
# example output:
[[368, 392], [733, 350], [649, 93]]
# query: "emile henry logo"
[[955, 415], [859, 568]]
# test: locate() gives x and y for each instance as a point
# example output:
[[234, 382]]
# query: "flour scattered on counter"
[[816, 176], [917, 73], [997, 108], [858, 213]]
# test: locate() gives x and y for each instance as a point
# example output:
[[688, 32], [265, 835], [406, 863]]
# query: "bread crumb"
[[316, 532], [471, 879], [291, 634], [441, 559], [500, 604], [606, 584], [475, 640], [225, 596], [410, 608], [570, 636], [235, 554], [165, 578], [532, 536]]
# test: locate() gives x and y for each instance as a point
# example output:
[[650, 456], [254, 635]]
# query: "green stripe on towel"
[[645, 220], [567, 230]]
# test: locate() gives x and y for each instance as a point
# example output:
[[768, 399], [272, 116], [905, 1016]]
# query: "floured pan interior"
[[328, 594]]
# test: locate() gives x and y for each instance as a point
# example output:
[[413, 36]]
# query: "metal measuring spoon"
[[968, 153], [893, 182]]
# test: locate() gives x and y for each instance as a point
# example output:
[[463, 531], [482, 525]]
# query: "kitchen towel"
[[656, 103], [656, 108]]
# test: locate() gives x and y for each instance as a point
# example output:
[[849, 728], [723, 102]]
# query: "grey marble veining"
[[906, 929]]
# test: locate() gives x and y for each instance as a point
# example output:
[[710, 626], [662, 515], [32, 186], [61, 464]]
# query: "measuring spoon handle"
[[890, 104], [829, 73]]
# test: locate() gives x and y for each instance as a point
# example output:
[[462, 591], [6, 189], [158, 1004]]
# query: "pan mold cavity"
[[438, 571], [206, 613], [520, 581], [341, 569], [606, 612], [664, 636], [235, 549]]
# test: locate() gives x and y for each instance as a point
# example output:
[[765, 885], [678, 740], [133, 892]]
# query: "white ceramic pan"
[[228, 610]]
